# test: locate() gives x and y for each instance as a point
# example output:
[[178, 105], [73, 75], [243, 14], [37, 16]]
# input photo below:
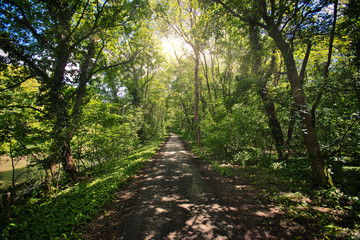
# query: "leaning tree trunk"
[[270, 109], [68, 161], [320, 174], [269, 105], [274, 123]]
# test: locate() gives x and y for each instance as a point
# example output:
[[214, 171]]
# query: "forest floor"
[[180, 196]]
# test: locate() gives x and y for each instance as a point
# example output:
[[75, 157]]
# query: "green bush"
[[249, 157], [106, 134], [225, 171]]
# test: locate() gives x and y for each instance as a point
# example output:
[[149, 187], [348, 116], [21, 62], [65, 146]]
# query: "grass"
[[57, 216]]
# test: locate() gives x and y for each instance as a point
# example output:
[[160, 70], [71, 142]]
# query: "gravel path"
[[176, 203]]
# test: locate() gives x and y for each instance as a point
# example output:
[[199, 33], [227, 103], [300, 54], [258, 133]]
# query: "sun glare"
[[172, 45]]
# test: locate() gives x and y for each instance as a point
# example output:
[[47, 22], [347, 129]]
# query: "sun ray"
[[173, 47]]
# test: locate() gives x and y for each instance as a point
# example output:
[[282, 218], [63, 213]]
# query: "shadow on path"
[[176, 203]]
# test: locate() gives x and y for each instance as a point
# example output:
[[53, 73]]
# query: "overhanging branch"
[[21, 106]]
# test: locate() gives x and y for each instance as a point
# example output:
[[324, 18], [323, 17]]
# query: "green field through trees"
[[268, 86]]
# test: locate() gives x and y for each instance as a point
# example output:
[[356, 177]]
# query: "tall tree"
[[262, 79], [186, 19], [139, 76], [62, 43], [282, 22]]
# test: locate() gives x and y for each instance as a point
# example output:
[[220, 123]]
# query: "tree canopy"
[[265, 82]]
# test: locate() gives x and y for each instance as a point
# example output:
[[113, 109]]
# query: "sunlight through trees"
[[271, 84]]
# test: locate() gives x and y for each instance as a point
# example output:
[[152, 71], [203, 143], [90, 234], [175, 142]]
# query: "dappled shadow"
[[177, 203], [254, 217]]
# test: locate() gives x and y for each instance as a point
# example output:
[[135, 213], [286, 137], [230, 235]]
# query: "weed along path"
[[176, 203]]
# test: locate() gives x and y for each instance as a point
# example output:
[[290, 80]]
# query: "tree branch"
[[6, 43], [24, 21], [78, 23], [305, 61], [111, 66], [237, 15], [20, 106], [17, 84], [92, 30], [326, 72]]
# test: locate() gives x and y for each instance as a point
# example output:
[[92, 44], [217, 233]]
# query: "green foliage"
[[64, 45], [336, 215], [22, 134], [59, 215], [249, 157], [19, 119], [223, 170], [217, 133], [105, 133], [351, 27], [225, 133], [89, 75], [333, 212]]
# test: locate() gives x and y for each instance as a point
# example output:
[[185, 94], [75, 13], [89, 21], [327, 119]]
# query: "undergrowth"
[[335, 214], [58, 215]]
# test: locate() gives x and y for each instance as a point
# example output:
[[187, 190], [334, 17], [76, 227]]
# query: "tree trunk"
[[58, 110], [212, 59], [52, 162], [274, 123], [206, 75], [68, 163], [196, 95], [326, 72], [208, 83], [320, 174], [13, 169], [269, 105], [290, 129]]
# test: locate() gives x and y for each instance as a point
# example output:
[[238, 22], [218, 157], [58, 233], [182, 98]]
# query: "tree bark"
[[196, 94], [290, 129], [206, 75], [269, 105], [326, 71], [52, 162], [69, 163], [274, 123], [59, 110], [320, 174], [212, 59]]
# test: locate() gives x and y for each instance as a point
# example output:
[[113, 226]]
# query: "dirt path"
[[179, 196], [176, 202]]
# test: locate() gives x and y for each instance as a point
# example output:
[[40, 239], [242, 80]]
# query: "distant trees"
[[187, 20], [277, 61]]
